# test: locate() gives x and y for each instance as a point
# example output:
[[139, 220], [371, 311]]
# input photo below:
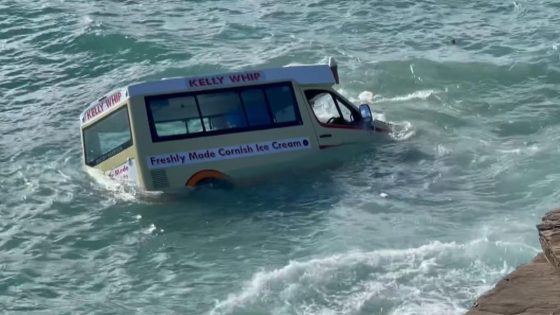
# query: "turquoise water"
[[419, 225]]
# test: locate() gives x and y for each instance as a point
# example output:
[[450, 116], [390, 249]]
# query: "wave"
[[402, 130], [388, 281], [417, 95], [369, 97], [117, 189]]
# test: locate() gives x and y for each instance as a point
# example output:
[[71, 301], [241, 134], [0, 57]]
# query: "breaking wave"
[[388, 281], [402, 130], [118, 190], [417, 95]]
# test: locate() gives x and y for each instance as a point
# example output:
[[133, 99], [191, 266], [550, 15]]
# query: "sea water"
[[422, 224]]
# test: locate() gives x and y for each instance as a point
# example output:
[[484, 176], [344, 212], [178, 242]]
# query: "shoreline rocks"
[[549, 237], [533, 288]]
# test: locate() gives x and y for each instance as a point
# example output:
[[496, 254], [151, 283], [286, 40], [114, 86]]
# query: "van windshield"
[[107, 137]]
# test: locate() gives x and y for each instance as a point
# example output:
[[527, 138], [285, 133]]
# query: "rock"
[[549, 237], [533, 288]]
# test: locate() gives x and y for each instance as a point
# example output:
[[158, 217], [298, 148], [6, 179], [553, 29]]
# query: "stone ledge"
[[549, 237], [533, 288]]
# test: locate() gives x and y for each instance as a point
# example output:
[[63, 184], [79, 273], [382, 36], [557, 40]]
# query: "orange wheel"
[[205, 176]]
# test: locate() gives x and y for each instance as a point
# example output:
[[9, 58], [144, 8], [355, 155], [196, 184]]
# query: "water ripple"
[[405, 227]]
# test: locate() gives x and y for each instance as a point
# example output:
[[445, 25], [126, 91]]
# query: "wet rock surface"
[[533, 288], [549, 236]]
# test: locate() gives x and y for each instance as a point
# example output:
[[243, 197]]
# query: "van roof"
[[305, 75]]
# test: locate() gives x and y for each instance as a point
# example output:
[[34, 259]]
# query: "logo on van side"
[[226, 153], [125, 172], [103, 105], [225, 79]]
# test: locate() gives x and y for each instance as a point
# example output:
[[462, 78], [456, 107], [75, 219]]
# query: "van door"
[[337, 122]]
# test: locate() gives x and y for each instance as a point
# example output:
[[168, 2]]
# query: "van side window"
[[257, 110], [196, 114], [107, 137], [175, 116], [331, 109], [282, 104], [221, 111]]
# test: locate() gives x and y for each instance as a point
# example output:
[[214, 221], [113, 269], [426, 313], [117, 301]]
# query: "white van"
[[175, 133]]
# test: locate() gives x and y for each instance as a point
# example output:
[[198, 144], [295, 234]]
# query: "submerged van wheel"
[[214, 183], [209, 178]]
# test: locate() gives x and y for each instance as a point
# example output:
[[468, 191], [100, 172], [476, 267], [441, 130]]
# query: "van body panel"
[[171, 150]]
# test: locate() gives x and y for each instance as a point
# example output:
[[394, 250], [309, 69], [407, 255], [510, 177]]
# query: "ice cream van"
[[179, 133]]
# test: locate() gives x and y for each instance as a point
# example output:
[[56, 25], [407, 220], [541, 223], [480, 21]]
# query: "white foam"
[[379, 116], [421, 95], [151, 229], [442, 150], [527, 150], [415, 281], [118, 189], [402, 130], [429, 307], [366, 97]]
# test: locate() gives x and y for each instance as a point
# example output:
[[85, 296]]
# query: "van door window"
[[107, 137], [331, 109], [346, 112]]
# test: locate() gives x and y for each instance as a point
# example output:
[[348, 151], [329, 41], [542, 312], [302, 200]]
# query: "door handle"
[[326, 135]]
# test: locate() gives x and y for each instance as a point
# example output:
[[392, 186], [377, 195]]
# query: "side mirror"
[[367, 117]]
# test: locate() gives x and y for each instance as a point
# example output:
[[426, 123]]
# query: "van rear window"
[[107, 137], [198, 114]]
